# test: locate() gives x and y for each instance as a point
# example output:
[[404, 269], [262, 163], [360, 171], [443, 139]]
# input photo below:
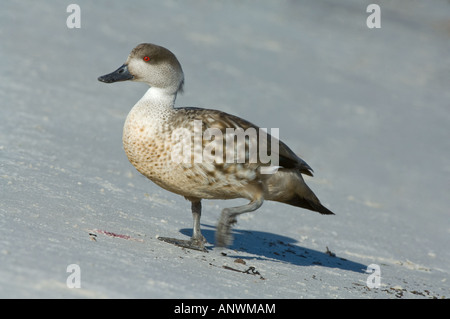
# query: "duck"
[[165, 143]]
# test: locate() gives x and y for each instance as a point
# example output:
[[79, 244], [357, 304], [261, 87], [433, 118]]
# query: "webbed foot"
[[193, 243], [224, 237]]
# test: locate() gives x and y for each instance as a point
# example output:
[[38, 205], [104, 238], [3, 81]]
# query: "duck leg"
[[197, 240], [228, 218], [197, 237]]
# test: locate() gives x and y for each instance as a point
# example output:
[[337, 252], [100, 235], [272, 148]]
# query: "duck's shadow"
[[270, 246]]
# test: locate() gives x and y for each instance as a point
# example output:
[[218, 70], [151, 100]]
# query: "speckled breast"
[[153, 148]]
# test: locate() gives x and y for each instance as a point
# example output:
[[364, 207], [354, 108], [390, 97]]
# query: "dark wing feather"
[[221, 120]]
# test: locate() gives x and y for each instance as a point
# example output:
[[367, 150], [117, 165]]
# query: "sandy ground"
[[368, 109]]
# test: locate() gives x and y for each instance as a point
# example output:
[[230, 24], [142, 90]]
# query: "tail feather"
[[309, 204], [287, 186]]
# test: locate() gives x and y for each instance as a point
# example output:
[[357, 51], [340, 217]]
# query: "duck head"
[[152, 64]]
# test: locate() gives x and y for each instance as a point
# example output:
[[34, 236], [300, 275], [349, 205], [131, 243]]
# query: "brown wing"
[[218, 120]]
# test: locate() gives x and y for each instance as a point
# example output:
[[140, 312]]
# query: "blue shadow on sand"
[[274, 247]]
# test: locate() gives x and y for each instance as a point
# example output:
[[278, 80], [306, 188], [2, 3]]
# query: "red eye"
[[146, 58]]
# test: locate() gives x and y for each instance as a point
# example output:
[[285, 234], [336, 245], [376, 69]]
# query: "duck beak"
[[121, 74]]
